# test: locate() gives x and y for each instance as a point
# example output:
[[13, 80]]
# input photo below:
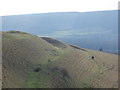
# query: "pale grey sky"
[[15, 7]]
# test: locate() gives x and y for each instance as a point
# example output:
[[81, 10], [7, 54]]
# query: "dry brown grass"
[[60, 67], [86, 72]]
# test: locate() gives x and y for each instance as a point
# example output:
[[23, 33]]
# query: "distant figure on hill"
[[101, 49], [92, 57]]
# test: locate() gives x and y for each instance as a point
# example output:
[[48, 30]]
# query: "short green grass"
[[41, 79], [37, 79]]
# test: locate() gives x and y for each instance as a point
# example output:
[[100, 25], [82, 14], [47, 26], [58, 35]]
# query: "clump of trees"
[[49, 60], [54, 69], [37, 69], [64, 73]]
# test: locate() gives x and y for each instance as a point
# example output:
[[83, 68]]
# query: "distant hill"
[[30, 61], [44, 23], [91, 30]]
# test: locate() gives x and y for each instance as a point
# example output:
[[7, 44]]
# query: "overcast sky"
[[15, 7]]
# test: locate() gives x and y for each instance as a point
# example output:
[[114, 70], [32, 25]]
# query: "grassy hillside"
[[33, 62]]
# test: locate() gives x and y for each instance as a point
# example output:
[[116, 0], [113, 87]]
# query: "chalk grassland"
[[33, 62]]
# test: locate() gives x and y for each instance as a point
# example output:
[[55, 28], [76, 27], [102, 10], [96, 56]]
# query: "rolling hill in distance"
[[92, 30], [30, 61]]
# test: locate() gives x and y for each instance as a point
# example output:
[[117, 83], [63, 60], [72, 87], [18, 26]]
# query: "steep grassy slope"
[[22, 53], [87, 72], [33, 62]]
